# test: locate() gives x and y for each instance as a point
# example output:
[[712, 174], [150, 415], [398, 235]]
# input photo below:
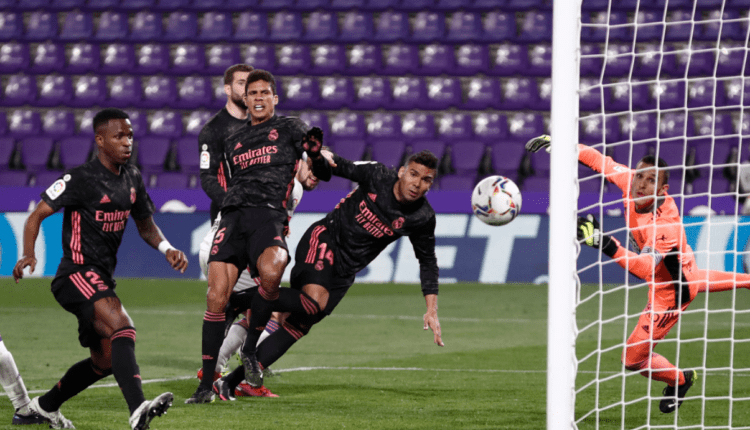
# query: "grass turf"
[[371, 366]]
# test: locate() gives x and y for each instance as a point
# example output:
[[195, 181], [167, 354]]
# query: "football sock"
[[126, 371], [11, 379], [213, 336], [276, 345], [235, 377], [79, 377], [271, 327], [263, 306], [232, 343]]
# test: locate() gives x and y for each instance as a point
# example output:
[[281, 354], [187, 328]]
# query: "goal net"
[[668, 78]]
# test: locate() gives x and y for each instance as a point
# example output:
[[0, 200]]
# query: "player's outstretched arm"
[[30, 233], [152, 235], [431, 318], [589, 233], [539, 142]]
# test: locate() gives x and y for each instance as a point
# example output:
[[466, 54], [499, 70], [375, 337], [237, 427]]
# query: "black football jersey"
[[262, 161], [97, 206], [214, 177], [370, 218]]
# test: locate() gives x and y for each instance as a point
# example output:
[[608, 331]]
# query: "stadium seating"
[[347, 126], [112, 26], [509, 60], [409, 93], [119, 58], [14, 57], [89, 91], [365, 59], [147, 25], [165, 123], [11, 25], [321, 26], [7, 145], [74, 151], [372, 93], [384, 127], [194, 92], [58, 123], [188, 58], [42, 25], [388, 152], [392, 26], [328, 60], [436, 59], [20, 90]]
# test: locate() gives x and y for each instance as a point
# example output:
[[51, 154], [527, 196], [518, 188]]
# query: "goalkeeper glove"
[[312, 143], [539, 142], [590, 234]]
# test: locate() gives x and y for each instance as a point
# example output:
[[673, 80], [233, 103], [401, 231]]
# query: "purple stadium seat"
[[471, 60], [384, 126], [701, 59], [641, 125], [519, 93], [591, 60], [621, 94], [483, 93], [351, 149], [14, 57], [524, 126], [679, 25], [408, 93], [491, 127], [293, 59], [544, 101], [451, 5], [388, 152], [274, 5], [336, 93], [436, 147], [13, 178], [418, 126], [676, 125], [220, 97], [437, 59], [311, 5], [74, 151], [215, 26], [591, 130], [136, 5], [415, 5], [540, 60], [670, 94], [153, 58], [650, 26], [251, 26], [172, 180], [485, 5], [455, 126], [346, 4], [187, 154], [317, 119], [380, 4], [442, 93], [650, 59], [731, 59], [194, 92], [220, 57], [20, 90], [373, 93], [196, 120], [701, 93], [729, 30], [464, 27], [101, 5], [35, 151], [118, 58], [125, 91], [301, 93], [508, 60], [720, 125], [466, 156], [152, 152], [619, 58], [58, 123], [428, 26], [55, 90], [85, 125], [599, 34], [498, 27], [671, 152], [27, 5], [48, 57], [321, 26], [590, 94], [188, 58], [170, 5], [42, 25], [260, 56], [111, 26], [536, 184], [401, 59], [84, 58], [525, 4], [89, 91], [536, 27], [364, 60], [328, 59], [207, 5], [181, 26], [286, 27], [356, 26], [392, 26], [11, 25], [347, 126], [147, 26], [7, 145], [139, 122], [77, 26], [159, 91], [166, 123], [336, 183], [506, 157], [733, 92]]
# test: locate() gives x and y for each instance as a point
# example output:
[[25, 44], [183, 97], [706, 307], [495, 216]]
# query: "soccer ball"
[[496, 200]]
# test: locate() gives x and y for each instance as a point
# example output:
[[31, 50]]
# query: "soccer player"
[[387, 205], [263, 159], [13, 385], [98, 198], [664, 260]]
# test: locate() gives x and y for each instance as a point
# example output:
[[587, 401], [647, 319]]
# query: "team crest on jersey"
[[57, 188], [398, 223], [132, 195], [273, 135], [319, 265], [205, 160]]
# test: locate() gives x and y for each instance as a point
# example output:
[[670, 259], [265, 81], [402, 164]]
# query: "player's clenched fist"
[[539, 142], [22, 264], [313, 142], [177, 260]]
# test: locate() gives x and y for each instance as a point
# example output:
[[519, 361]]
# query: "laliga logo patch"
[[398, 223], [132, 195], [205, 160], [56, 189], [273, 135]]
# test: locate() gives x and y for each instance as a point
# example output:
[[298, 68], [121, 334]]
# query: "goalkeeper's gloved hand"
[[312, 143], [539, 142], [590, 234]]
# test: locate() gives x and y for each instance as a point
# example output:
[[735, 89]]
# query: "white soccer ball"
[[496, 200]]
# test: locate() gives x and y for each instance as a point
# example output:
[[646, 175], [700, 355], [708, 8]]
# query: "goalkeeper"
[[663, 258]]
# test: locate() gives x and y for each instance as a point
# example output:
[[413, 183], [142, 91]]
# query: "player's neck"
[[109, 164], [256, 121], [235, 110]]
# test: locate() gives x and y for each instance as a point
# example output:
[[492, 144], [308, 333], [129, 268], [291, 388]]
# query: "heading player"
[[98, 197], [386, 206], [663, 259]]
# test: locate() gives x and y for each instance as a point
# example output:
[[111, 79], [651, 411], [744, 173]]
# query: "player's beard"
[[237, 100]]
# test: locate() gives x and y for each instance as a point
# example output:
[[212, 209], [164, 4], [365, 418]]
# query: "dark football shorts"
[[313, 264], [77, 292], [244, 233]]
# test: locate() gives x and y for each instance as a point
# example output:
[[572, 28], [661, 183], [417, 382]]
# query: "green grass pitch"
[[371, 366]]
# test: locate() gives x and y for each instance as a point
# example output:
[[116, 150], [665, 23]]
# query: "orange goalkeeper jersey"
[[658, 237]]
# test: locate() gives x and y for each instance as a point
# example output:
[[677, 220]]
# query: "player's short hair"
[[261, 75], [661, 165], [103, 116], [425, 158], [229, 73]]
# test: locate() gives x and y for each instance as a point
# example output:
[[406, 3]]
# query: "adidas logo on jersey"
[[237, 146], [105, 199]]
